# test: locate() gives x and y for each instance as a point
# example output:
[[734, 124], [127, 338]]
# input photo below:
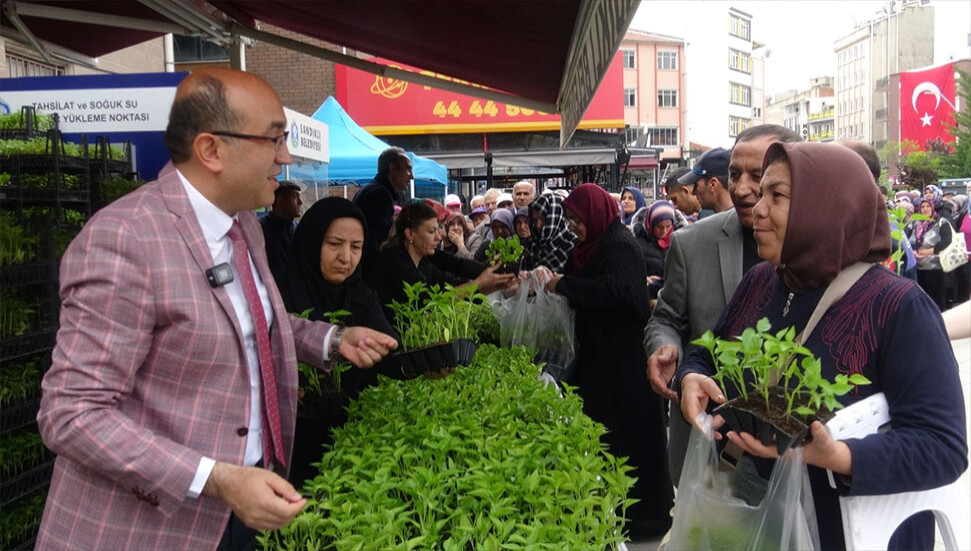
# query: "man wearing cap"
[[505, 201], [278, 227], [523, 192], [453, 204], [709, 180]]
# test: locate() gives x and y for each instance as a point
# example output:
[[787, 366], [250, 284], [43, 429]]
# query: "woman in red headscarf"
[[604, 283]]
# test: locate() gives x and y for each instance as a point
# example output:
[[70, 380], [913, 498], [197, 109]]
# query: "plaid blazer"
[[149, 375]]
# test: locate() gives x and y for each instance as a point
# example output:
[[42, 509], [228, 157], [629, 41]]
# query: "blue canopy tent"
[[354, 155]]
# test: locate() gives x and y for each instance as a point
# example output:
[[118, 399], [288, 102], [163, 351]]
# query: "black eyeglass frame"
[[276, 140]]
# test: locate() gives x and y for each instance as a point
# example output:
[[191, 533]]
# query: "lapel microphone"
[[219, 275]]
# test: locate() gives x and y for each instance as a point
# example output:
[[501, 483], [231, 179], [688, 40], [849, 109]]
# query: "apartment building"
[[654, 90], [810, 112], [727, 75], [898, 38]]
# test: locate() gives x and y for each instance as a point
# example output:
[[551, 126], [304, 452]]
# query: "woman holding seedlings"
[[501, 224], [410, 255], [604, 283], [871, 331], [325, 276]]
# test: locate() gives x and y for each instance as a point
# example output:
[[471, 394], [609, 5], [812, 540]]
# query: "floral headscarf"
[[936, 192]]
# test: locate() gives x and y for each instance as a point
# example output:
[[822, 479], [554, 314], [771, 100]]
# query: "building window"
[[737, 124], [667, 98], [630, 60], [662, 136], [740, 94], [193, 49], [630, 97], [739, 27], [667, 60], [756, 112], [22, 67], [740, 61]]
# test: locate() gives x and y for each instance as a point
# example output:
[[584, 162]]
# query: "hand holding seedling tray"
[[506, 253], [778, 382]]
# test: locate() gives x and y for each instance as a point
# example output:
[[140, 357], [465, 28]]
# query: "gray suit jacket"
[[701, 271]]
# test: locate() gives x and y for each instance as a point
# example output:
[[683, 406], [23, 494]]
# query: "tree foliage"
[[958, 163]]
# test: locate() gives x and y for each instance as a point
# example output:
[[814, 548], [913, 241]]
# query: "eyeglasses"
[[277, 141]]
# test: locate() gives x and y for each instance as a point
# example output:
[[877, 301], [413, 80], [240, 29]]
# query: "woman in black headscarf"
[[871, 330], [325, 276]]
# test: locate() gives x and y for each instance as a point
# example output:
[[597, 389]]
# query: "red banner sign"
[[389, 106], [927, 104]]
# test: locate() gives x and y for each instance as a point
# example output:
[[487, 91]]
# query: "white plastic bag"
[[708, 517], [540, 320]]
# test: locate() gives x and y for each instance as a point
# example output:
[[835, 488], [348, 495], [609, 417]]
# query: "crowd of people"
[[150, 413]]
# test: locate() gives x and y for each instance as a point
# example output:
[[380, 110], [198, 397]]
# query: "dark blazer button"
[[242, 431]]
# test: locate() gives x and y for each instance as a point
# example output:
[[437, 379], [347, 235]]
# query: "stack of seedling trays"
[[111, 172], [44, 200]]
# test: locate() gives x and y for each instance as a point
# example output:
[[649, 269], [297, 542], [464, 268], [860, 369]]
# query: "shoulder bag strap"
[[836, 289]]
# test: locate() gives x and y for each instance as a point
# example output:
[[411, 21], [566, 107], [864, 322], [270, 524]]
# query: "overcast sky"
[[800, 33]]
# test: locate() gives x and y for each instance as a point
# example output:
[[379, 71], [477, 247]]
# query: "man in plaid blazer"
[[152, 403]]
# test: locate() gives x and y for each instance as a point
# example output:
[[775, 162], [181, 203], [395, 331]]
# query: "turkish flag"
[[927, 104]]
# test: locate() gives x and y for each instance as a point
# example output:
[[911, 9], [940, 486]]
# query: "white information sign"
[[309, 138], [93, 110]]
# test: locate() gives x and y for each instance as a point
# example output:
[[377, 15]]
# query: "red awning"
[[642, 163], [549, 51]]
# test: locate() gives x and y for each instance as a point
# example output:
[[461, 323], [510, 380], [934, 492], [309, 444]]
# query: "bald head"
[[209, 100]]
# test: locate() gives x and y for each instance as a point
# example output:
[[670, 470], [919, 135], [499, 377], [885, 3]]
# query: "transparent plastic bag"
[[540, 320], [708, 516]]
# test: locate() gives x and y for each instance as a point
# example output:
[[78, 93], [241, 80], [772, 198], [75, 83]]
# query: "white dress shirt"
[[215, 226]]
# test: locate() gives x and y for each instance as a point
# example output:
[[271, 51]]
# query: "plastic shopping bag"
[[543, 321], [708, 516]]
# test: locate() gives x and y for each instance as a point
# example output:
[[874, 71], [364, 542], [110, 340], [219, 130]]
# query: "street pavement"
[[962, 351]]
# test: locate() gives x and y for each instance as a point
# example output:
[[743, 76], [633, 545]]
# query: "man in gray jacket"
[[704, 264]]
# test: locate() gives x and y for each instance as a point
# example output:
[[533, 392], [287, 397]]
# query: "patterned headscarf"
[[936, 192], [553, 244], [657, 213], [597, 210], [921, 226]]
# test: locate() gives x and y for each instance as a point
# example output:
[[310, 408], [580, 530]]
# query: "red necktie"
[[272, 434]]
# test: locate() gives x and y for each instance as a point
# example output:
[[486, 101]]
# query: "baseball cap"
[[714, 163], [452, 199], [503, 198], [480, 210]]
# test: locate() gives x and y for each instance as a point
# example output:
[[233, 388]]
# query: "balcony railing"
[[819, 136], [827, 114]]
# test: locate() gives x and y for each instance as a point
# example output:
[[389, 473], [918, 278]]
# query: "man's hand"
[[260, 498], [696, 389], [660, 370], [365, 347]]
